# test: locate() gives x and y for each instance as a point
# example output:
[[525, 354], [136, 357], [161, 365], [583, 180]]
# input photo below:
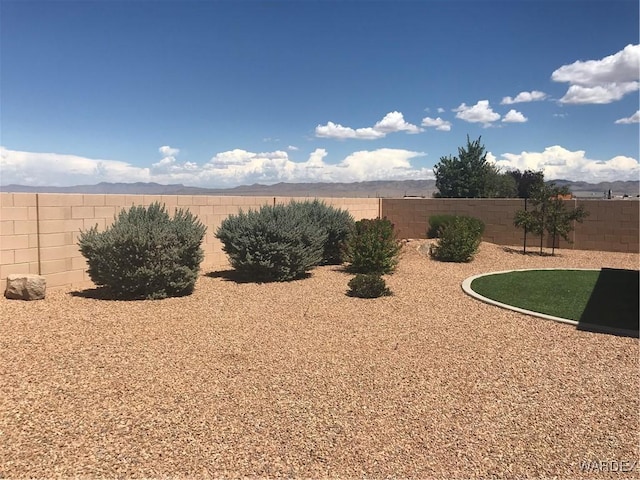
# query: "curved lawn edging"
[[466, 287]]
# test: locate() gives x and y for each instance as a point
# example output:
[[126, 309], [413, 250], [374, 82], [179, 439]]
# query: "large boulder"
[[25, 287]]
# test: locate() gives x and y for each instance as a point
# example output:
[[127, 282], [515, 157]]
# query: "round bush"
[[275, 243], [365, 285], [373, 247], [338, 224], [437, 222], [459, 241], [145, 253]]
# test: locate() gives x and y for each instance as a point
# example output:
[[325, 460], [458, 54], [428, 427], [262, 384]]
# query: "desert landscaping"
[[298, 379]]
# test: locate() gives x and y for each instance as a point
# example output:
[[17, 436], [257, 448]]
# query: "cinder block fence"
[[612, 225], [39, 232]]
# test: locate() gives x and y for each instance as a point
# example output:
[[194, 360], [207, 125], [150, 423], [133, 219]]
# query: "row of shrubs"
[[148, 254]]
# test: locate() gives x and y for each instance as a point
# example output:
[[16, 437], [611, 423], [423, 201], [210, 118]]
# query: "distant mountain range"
[[382, 188]]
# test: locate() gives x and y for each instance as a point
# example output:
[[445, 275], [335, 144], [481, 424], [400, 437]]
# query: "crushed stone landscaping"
[[298, 379]]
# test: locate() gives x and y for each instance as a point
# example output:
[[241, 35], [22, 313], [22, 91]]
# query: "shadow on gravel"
[[613, 306], [529, 253], [99, 293], [237, 277]]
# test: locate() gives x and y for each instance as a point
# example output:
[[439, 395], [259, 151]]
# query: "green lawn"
[[608, 297]]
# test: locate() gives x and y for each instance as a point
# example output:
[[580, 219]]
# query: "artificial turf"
[[607, 297]]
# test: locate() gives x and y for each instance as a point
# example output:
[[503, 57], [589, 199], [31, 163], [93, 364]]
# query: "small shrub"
[[373, 247], [145, 253], [275, 243], [368, 286], [338, 224], [458, 242], [437, 222]]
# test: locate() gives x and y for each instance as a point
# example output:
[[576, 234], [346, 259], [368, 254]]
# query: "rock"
[[25, 287]]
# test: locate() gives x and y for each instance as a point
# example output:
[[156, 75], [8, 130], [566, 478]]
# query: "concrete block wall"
[[39, 232], [612, 225], [411, 215]]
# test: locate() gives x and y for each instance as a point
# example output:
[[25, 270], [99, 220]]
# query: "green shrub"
[[458, 242], [373, 247], [275, 243], [145, 253], [368, 286], [338, 224], [436, 222]]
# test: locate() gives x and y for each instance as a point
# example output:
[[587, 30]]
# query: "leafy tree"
[[550, 215], [467, 175], [527, 182], [500, 185]]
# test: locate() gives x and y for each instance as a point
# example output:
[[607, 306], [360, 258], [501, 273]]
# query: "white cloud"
[[225, 169], [437, 123], [481, 112], [167, 151], [292, 148], [441, 110], [237, 167], [635, 118], [600, 94], [522, 97], [168, 162], [335, 130], [395, 122], [54, 169], [384, 163], [513, 116], [559, 163], [601, 81], [392, 122]]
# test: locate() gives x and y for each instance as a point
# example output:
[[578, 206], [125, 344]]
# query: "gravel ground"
[[299, 380]]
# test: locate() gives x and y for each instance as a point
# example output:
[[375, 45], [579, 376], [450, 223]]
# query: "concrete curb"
[[466, 286]]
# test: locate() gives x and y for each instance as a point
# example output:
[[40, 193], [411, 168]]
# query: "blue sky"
[[225, 93]]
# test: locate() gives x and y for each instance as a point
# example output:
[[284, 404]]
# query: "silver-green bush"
[[338, 223], [274, 243], [145, 253]]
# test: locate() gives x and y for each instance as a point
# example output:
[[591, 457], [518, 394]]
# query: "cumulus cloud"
[[437, 123], [523, 97], [441, 110], [481, 112], [293, 148], [635, 118], [392, 122], [513, 116], [168, 163], [560, 163], [395, 122], [225, 169], [335, 130], [601, 81], [600, 94], [54, 169]]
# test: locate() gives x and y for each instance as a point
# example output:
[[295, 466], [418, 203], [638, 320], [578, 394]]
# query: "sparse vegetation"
[[549, 213]]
